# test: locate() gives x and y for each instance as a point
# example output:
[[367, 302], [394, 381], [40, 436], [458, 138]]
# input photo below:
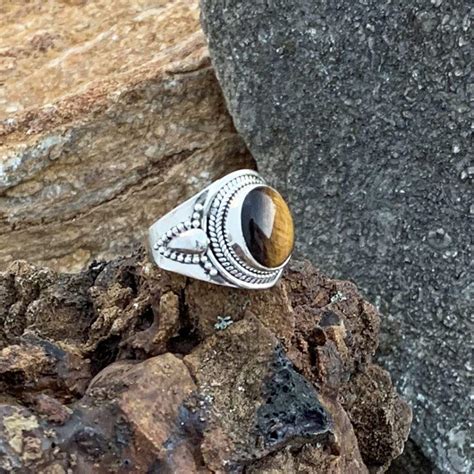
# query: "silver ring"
[[237, 232]]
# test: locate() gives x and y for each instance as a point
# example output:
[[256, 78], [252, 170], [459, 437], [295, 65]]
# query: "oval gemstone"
[[267, 226]]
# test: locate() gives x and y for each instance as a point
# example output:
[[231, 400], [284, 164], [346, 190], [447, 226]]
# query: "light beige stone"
[[110, 115]]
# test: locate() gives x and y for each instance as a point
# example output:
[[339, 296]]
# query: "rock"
[[52, 409], [412, 460], [379, 433], [110, 114], [257, 402], [358, 113], [24, 442], [151, 397], [124, 422], [183, 376], [37, 365]]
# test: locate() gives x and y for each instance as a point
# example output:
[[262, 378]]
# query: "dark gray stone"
[[358, 112], [412, 461], [292, 413]]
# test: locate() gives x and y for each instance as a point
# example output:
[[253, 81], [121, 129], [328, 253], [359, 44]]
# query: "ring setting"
[[237, 232]]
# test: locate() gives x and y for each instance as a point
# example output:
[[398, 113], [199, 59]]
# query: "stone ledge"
[[110, 114]]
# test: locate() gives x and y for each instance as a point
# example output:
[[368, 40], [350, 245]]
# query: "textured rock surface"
[[359, 113], [124, 368], [109, 115]]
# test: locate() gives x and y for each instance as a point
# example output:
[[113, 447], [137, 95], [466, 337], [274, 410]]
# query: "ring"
[[237, 232]]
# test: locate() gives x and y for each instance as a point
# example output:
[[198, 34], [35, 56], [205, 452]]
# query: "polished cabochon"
[[267, 226]]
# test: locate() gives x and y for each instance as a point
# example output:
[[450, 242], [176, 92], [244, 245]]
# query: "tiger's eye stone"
[[267, 226]]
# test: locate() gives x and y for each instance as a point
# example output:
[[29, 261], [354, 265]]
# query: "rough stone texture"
[[110, 114], [125, 368], [411, 461], [358, 111]]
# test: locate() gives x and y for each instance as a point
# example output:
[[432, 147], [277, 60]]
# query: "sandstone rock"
[[124, 424], [151, 398], [109, 115], [37, 365], [358, 112], [187, 377]]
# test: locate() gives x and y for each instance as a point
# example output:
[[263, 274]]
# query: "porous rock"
[[359, 113], [110, 114], [174, 375]]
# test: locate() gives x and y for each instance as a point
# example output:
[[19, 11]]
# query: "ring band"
[[237, 232]]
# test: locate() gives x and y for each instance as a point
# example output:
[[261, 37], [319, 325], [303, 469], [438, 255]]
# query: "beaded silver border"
[[220, 247]]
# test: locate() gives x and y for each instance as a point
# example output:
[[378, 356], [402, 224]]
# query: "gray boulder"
[[358, 112]]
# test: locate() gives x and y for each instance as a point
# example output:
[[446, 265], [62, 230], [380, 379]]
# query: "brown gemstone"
[[267, 226]]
